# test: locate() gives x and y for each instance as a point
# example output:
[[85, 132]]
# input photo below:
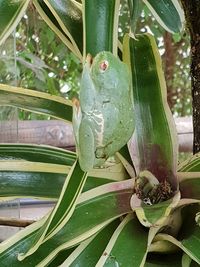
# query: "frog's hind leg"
[[86, 146]]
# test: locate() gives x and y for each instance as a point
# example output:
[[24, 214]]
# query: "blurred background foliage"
[[33, 57]]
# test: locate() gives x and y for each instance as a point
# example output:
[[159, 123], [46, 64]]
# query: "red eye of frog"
[[104, 65]]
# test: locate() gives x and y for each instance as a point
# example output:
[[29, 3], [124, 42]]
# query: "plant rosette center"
[[153, 201]]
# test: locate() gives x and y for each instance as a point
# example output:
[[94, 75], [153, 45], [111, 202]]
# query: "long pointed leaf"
[[24, 167], [64, 25], [11, 13], [41, 185], [88, 253], [69, 16], [37, 153], [36, 102], [135, 11], [128, 245], [155, 128], [192, 164], [189, 184], [168, 13], [188, 239], [63, 209], [107, 202], [189, 177], [189, 245]]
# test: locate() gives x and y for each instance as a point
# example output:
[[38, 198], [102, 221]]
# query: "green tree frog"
[[103, 117]]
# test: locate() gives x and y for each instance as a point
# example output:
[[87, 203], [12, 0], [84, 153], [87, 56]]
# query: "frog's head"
[[106, 70]]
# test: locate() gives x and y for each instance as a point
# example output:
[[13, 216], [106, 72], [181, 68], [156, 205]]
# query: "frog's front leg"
[[86, 145]]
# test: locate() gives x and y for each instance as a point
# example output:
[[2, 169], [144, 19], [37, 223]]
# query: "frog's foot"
[[100, 153]]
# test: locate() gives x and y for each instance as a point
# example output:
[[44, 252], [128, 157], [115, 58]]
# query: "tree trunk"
[[192, 14]]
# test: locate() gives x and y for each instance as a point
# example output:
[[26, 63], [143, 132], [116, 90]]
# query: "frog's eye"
[[103, 65]]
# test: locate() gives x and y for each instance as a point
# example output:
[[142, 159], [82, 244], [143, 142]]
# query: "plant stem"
[[100, 26]]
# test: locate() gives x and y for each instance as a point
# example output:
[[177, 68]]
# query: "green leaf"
[[37, 153], [125, 158], [100, 21], [24, 167], [155, 128], [106, 202], [65, 19], [21, 184], [128, 245], [37, 102], [60, 257], [192, 164], [186, 260], [69, 16], [190, 245], [89, 251], [189, 235], [124, 151], [63, 209], [24, 184], [135, 11], [189, 184], [189, 177], [11, 13], [156, 214], [168, 13]]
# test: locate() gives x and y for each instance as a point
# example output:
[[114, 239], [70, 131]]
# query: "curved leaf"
[[89, 251], [11, 13], [156, 214], [69, 16], [65, 19], [192, 164], [34, 101], [128, 245], [37, 184], [189, 184], [188, 239], [37, 153], [24, 167], [62, 211], [20, 184], [106, 202], [155, 128], [168, 13], [189, 177], [189, 246], [135, 11], [125, 158]]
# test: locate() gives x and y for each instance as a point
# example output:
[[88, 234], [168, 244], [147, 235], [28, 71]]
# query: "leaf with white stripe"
[[11, 13], [63, 209], [37, 102], [106, 202], [168, 13]]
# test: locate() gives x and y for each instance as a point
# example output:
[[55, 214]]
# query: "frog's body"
[[104, 122]]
